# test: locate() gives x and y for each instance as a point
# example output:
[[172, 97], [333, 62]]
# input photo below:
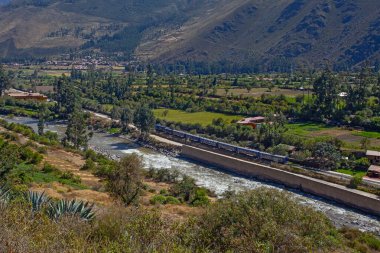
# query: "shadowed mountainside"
[[345, 32]]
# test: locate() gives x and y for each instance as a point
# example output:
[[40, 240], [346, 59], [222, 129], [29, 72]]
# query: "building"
[[21, 95], [374, 171], [253, 122], [373, 157]]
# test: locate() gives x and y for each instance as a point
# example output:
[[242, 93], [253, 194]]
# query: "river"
[[212, 178]]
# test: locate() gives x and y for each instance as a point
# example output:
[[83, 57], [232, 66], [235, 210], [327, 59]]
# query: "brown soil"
[[344, 135]]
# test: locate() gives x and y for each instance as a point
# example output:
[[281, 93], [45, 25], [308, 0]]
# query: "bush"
[[68, 175], [184, 189], [31, 157], [48, 168], [163, 200], [42, 150], [89, 165], [362, 163], [158, 199], [91, 154], [124, 182], [355, 182], [263, 220], [172, 200], [200, 198]]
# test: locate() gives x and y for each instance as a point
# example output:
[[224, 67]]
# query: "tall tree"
[[359, 91], [68, 99], [4, 80], [43, 114], [125, 181], [126, 117], [326, 91], [270, 133], [376, 89], [149, 79], [77, 133], [326, 155], [144, 119]]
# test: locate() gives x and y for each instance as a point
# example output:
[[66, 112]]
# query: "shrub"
[[125, 181], [158, 199], [355, 182], [68, 175], [48, 168], [91, 154], [262, 220], [163, 200], [164, 192], [362, 163], [42, 150], [172, 200], [184, 189], [200, 198], [89, 165]]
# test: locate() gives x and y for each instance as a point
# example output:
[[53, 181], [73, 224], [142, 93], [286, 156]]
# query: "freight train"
[[221, 145]]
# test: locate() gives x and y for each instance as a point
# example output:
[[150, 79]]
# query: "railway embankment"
[[367, 202]]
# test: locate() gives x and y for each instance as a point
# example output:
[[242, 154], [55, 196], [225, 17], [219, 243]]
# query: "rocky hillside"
[[346, 32]]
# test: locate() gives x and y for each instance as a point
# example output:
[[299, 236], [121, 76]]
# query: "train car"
[[168, 130], [273, 158], [222, 145], [227, 147], [160, 128], [248, 152], [208, 142], [179, 134], [266, 156], [193, 138]]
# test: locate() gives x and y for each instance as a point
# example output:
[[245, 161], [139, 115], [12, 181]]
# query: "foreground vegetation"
[[258, 221], [262, 220]]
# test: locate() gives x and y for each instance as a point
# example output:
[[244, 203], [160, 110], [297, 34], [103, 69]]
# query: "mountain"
[[4, 2], [344, 32]]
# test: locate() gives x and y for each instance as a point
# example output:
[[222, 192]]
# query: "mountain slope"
[[345, 32]]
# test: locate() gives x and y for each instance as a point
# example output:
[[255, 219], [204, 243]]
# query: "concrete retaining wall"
[[364, 201]]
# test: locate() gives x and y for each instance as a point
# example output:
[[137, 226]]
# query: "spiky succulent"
[[37, 200], [5, 194], [81, 209]]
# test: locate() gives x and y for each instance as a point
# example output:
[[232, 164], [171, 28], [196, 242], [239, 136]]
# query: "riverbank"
[[215, 179]]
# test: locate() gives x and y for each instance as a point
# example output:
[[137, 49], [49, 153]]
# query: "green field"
[[367, 134], [305, 129], [352, 172], [203, 118]]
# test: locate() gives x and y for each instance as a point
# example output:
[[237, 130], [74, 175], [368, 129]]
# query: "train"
[[252, 153]]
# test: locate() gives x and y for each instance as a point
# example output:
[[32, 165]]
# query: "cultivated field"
[[350, 138], [203, 118]]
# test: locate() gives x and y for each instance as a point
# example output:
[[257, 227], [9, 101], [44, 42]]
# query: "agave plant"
[[37, 199], [4, 194], [79, 208]]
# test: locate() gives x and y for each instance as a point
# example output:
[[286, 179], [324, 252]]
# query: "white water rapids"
[[213, 178]]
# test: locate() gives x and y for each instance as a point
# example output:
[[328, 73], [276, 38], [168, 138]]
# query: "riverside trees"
[[77, 133], [4, 80], [125, 181]]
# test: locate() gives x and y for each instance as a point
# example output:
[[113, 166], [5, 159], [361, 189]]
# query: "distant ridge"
[[345, 32]]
